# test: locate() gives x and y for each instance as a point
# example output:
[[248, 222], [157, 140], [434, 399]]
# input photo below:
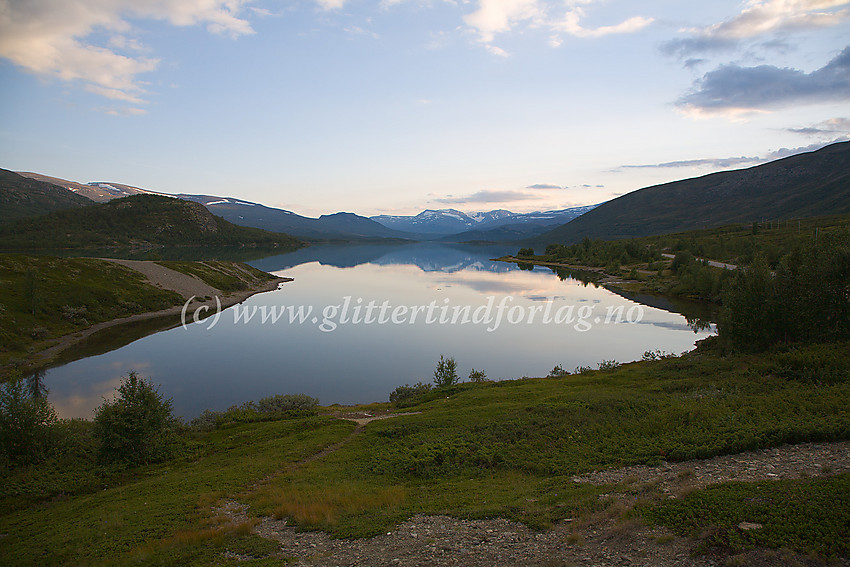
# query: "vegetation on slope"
[[477, 450], [800, 186], [21, 197], [225, 276], [684, 271], [139, 221], [42, 298]]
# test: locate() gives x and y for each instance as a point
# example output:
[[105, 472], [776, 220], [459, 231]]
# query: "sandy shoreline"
[[160, 277]]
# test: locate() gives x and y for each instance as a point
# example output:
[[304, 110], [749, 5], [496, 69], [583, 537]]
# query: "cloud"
[[331, 4], [713, 162], [760, 18], [487, 197], [732, 89], [571, 24], [499, 16], [543, 186], [734, 161], [831, 126], [49, 38], [493, 17]]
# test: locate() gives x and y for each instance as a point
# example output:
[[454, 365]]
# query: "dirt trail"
[[602, 540]]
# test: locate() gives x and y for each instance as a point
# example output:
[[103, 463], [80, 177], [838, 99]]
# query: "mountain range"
[[462, 226], [807, 184], [442, 224], [803, 185]]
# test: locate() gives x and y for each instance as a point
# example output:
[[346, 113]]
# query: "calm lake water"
[[360, 320]]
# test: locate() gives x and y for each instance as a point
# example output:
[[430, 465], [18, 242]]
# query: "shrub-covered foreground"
[[487, 449]]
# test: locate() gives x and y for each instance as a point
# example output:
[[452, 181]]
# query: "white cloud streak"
[[494, 17], [728, 162], [761, 18], [49, 38]]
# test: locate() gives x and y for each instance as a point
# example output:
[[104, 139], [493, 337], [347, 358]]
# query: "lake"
[[360, 320]]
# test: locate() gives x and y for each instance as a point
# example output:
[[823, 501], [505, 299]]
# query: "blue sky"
[[392, 106]]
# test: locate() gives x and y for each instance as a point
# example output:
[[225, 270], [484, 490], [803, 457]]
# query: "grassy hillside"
[[21, 197], [137, 221], [42, 298], [505, 449], [804, 185], [640, 266]]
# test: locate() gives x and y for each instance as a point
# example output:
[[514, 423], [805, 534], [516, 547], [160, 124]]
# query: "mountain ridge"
[[803, 185], [22, 197], [135, 221], [446, 222]]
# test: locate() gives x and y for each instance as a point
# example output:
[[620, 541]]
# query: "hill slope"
[[140, 220], [336, 226], [804, 185], [97, 191], [21, 197]]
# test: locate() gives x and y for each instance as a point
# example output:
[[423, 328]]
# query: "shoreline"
[[43, 358]]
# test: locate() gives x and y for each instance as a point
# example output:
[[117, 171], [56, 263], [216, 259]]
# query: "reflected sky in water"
[[233, 362]]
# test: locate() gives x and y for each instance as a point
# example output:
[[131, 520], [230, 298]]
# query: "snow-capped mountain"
[[442, 222]]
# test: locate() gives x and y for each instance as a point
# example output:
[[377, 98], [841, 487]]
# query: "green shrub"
[[26, 422], [137, 427], [286, 402], [609, 365], [407, 392], [446, 372], [477, 376], [206, 421], [558, 372]]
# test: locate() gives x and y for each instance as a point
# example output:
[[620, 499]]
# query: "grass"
[[499, 449], [510, 449], [807, 516], [42, 298], [154, 512]]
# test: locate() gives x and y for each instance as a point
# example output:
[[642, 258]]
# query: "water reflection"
[[427, 256], [240, 360]]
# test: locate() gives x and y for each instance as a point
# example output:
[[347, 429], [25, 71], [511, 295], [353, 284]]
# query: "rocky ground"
[[601, 540]]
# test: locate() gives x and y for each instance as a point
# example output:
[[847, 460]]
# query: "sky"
[[394, 106]]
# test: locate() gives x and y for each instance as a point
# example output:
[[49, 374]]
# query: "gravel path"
[[166, 278]]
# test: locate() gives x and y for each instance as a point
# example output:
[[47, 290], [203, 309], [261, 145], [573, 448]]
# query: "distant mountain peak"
[[445, 222]]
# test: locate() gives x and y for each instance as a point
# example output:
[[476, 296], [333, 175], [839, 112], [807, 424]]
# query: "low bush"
[[137, 427], [408, 393], [287, 402], [477, 376]]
